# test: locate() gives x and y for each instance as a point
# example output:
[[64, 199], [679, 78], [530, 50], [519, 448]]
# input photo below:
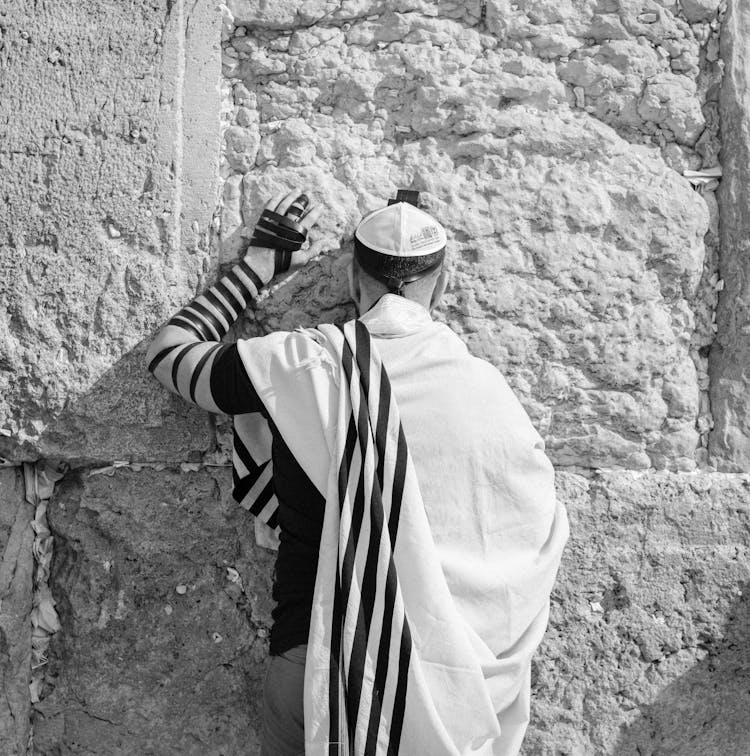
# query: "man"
[[418, 531]]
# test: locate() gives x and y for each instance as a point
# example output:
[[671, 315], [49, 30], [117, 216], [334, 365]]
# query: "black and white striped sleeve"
[[189, 358]]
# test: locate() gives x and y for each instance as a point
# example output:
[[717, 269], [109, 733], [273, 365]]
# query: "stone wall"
[[573, 150]]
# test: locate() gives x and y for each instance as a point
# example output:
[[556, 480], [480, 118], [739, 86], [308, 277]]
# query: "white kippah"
[[401, 230]]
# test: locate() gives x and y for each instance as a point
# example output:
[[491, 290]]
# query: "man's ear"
[[440, 286]]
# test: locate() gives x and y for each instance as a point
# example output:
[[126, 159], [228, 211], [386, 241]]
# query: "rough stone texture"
[[139, 140], [550, 140], [645, 647], [730, 354], [160, 652], [109, 157], [550, 136], [16, 575], [646, 651]]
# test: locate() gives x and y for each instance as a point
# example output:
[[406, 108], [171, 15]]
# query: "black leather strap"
[[282, 260], [251, 274], [297, 208], [278, 232], [406, 195]]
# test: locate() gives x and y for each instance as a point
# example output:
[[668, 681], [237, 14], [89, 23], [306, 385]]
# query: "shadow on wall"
[[703, 712], [126, 414]]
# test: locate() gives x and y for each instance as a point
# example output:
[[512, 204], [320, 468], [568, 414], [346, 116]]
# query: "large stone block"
[[16, 581], [164, 604], [161, 652], [729, 444], [109, 170], [646, 651], [577, 256]]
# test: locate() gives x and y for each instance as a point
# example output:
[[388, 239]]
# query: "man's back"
[[483, 475], [462, 572], [481, 467]]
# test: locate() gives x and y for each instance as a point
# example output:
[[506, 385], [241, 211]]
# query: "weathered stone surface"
[[16, 580], [699, 10], [577, 256], [648, 618], [729, 444], [646, 651], [162, 649], [109, 168], [461, 102], [550, 137]]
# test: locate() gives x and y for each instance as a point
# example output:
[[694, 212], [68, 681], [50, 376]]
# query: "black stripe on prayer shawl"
[[358, 654], [347, 566], [365, 610], [336, 673], [381, 669], [381, 666], [242, 486], [367, 598], [244, 454], [399, 479], [369, 577], [263, 498], [363, 362], [399, 704]]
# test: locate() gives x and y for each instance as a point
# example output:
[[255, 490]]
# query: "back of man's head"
[[367, 290], [398, 249]]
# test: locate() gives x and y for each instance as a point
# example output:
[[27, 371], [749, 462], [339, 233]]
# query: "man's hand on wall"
[[276, 245]]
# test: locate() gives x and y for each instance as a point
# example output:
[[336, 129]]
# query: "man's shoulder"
[[461, 351], [280, 352]]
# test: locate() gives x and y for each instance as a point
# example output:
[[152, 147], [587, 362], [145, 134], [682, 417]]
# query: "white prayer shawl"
[[435, 643]]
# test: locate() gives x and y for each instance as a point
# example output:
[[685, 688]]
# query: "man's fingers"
[[282, 202], [283, 206], [305, 255], [298, 208], [313, 213]]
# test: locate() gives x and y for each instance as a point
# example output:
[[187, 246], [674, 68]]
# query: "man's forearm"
[[209, 316], [183, 353], [187, 356]]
